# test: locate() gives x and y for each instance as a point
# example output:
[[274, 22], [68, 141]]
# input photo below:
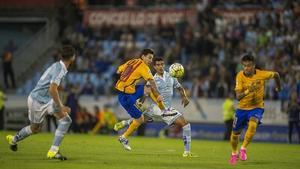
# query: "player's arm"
[[241, 92], [147, 75], [156, 93], [277, 81], [159, 104], [185, 101], [53, 90]]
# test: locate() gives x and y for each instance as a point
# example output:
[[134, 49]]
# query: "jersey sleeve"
[[238, 82], [121, 68], [146, 73], [266, 75], [57, 75]]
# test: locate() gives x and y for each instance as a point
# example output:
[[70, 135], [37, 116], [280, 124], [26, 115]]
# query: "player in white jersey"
[[44, 99], [165, 84]]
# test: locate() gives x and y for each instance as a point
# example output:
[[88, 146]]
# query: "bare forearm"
[[154, 88], [240, 95], [182, 92], [54, 94], [277, 80]]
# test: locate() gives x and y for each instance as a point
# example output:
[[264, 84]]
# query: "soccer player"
[[250, 84], [44, 99], [166, 85], [128, 90]]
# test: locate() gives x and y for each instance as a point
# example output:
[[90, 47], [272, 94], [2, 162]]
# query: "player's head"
[[248, 63], [68, 53], [147, 55], [158, 65]]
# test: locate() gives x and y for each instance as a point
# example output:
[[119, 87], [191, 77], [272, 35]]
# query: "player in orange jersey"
[[249, 88], [128, 90]]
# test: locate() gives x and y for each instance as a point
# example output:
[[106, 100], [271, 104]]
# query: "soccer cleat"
[[119, 126], [13, 146], [243, 154], [188, 154], [55, 155], [233, 159], [124, 142]]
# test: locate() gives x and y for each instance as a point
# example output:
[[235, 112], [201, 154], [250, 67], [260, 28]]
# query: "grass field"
[[104, 152]]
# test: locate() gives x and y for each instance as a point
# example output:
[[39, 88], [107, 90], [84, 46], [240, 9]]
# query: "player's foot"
[[55, 155], [119, 126], [233, 159], [243, 154], [10, 140], [124, 142], [188, 154]]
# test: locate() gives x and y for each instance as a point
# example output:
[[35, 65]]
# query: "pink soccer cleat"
[[243, 154], [233, 159]]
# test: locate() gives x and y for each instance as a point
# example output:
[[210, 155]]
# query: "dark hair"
[[248, 57], [146, 52], [157, 59], [67, 52]]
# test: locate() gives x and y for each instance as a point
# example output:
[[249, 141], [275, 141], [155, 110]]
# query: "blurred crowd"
[[210, 50]]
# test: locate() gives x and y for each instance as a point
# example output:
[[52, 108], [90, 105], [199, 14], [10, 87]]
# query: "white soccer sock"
[[186, 136]]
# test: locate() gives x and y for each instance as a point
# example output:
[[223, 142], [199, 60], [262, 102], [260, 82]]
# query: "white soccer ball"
[[176, 70]]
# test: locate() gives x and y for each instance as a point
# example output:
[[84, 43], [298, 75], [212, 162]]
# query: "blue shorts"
[[128, 101], [243, 116]]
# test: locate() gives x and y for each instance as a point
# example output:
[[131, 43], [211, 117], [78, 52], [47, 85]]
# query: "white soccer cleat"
[[124, 142]]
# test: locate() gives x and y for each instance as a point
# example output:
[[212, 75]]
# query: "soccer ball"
[[176, 70]]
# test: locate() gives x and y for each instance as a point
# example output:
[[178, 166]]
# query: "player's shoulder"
[[240, 74], [58, 67]]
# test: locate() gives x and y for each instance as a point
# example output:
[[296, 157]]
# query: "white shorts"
[[37, 111], [168, 116]]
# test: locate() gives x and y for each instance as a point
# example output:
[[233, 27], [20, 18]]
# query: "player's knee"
[[235, 133], [35, 129], [186, 126], [67, 120]]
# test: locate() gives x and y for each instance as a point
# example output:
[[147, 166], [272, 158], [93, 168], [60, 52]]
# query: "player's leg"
[[254, 118], [186, 135], [124, 123], [237, 126], [22, 134], [128, 102], [64, 122], [36, 114]]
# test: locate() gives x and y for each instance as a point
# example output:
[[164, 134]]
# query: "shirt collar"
[[164, 76], [63, 65]]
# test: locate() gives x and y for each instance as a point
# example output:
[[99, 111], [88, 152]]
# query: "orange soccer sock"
[[133, 126], [234, 141], [252, 125]]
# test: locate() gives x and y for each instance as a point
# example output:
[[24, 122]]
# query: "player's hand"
[[159, 98], [278, 89], [185, 101], [65, 109], [254, 86], [147, 90]]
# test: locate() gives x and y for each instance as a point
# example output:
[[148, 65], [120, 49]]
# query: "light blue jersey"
[[54, 74], [166, 85]]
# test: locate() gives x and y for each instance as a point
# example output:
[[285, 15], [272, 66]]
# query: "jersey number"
[[130, 67]]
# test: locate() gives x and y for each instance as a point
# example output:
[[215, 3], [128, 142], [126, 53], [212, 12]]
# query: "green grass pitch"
[[104, 152]]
